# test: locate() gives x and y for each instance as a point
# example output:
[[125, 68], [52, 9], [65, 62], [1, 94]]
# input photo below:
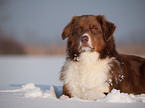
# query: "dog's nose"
[[84, 39]]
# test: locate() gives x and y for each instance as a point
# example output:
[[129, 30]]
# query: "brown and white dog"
[[93, 67]]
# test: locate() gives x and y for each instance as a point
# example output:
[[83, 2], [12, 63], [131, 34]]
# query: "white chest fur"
[[88, 73]]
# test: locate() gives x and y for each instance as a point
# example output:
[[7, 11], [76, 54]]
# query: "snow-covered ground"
[[33, 82]]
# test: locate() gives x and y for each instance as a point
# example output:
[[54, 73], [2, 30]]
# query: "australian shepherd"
[[93, 67]]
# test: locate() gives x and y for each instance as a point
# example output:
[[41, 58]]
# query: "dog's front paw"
[[92, 95], [64, 97]]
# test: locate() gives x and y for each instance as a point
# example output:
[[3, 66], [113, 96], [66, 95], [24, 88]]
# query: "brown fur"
[[66, 91], [127, 72]]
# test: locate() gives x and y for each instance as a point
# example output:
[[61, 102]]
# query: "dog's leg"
[[92, 94], [66, 91]]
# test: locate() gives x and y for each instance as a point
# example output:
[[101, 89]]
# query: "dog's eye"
[[93, 27], [78, 29]]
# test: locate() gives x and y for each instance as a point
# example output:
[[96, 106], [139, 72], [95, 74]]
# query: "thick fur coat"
[[93, 67]]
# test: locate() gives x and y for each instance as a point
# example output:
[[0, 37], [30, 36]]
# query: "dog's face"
[[88, 33]]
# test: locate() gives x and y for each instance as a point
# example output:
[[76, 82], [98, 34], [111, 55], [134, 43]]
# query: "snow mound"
[[31, 91], [116, 97]]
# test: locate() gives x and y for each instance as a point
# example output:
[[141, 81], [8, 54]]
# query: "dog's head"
[[89, 33]]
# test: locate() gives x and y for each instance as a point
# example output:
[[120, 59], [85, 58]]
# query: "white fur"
[[88, 77]]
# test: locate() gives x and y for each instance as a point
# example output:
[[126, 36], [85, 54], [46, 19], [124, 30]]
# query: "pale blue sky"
[[44, 20]]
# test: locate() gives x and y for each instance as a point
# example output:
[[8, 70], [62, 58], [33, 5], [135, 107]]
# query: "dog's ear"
[[107, 27], [68, 28]]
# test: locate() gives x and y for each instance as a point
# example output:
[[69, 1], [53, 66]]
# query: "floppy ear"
[[68, 28], [107, 27]]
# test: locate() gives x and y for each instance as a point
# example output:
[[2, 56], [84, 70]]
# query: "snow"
[[16, 92], [31, 91], [116, 97]]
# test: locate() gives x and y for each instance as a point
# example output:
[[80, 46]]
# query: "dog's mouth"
[[85, 43], [86, 48]]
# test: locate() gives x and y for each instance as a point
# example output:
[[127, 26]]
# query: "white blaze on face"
[[89, 43]]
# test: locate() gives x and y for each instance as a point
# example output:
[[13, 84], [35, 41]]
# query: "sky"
[[44, 20]]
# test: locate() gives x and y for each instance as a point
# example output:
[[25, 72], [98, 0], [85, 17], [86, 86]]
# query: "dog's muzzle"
[[85, 43], [84, 40]]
